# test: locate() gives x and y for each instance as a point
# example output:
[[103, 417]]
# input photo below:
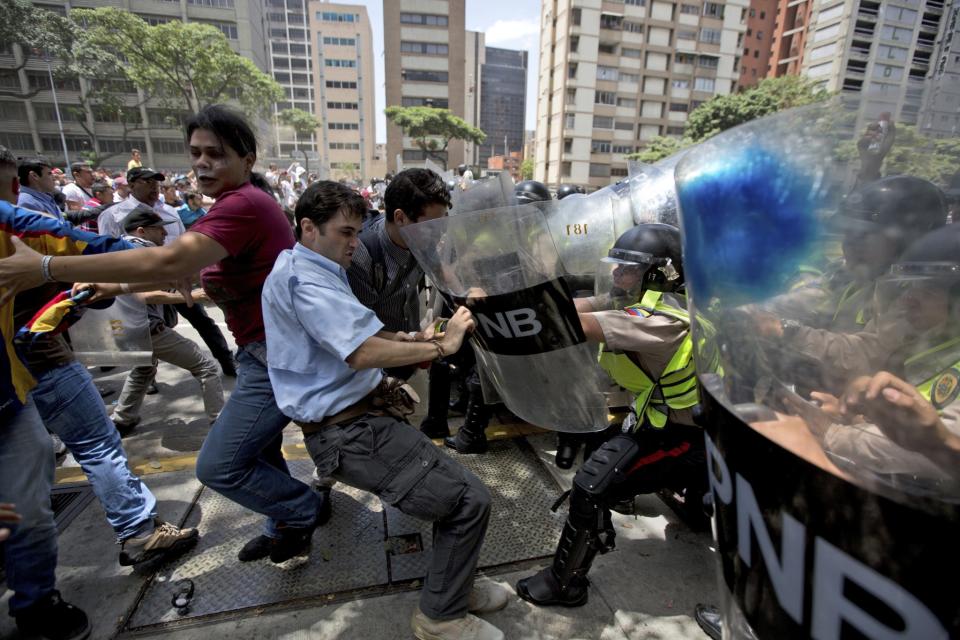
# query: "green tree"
[[303, 124], [33, 33], [936, 160], [526, 169], [726, 111], [182, 65], [433, 129]]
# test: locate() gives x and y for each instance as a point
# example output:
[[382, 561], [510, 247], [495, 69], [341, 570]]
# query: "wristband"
[[45, 268], [440, 353]]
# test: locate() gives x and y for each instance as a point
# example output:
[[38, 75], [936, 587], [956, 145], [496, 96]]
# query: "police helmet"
[[565, 190], [907, 203], [531, 191], [655, 247]]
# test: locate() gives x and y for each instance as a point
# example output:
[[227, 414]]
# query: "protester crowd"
[[322, 296]]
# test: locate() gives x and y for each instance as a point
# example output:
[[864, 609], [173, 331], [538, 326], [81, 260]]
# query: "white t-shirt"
[[75, 193]]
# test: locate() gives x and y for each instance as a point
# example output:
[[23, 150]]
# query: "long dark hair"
[[230, 127]]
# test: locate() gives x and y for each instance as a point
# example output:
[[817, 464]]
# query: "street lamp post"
[[56, 108]]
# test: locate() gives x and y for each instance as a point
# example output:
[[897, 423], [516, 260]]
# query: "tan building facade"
[[614, 75], [343, 82], [424, 63]]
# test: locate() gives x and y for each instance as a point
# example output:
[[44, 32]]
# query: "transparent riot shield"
[[503, 265], [487, 193], [116, 336], [826, 317], [653, 194]]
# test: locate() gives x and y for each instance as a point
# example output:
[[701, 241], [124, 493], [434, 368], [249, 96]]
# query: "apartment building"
[[291, 64], [760, 41], [30, 126], [940, 111], [344, 88], [880, 50], [616, 74], [503, 102], [425, 65]]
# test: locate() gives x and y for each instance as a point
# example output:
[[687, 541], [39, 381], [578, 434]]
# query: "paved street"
[[646, 588]]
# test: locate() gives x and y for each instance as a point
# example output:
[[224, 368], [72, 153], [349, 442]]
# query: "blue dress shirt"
[[313, 323], [38, 201]]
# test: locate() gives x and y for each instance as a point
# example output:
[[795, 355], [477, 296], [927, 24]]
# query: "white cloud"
[[517, 34]]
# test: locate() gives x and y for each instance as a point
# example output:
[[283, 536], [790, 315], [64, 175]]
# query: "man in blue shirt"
[[37, 186], [324, 354]]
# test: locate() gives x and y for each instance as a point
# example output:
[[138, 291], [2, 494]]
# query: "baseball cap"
[[143, 173], [143, 216]]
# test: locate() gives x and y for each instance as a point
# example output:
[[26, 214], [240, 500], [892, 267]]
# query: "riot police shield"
[[116, 336], [653, 194], [487, 193], [503, 266], [830, 370]]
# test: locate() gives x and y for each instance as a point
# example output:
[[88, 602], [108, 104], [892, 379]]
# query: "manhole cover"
[[68, 501], [364, 546]]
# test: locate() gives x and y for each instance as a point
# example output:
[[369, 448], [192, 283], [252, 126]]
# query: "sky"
[[508, 24]]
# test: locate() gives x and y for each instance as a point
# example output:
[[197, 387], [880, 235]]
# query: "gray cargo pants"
[[396, 462]]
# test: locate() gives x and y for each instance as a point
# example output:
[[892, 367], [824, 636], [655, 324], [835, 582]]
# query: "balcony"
[[859, 53], [865, 15]]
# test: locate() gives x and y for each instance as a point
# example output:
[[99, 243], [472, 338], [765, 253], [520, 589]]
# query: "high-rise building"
[[614, 75], [503, 102], [940, 112], [291, 63], [425, 63], [881, 51], [474, 57], [758, 41], [789, 41], [30, 126], [344, 89]]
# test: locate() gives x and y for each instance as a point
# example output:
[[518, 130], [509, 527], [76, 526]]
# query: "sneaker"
[[52, 618], [487, 596], [293, 541], [166, 541], [256, 549], [152, 390], [710, 620], [469, 627]]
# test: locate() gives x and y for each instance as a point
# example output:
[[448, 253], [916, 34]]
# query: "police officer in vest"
[[647, 348]]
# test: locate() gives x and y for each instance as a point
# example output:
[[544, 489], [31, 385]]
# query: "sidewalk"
[[646, 588]]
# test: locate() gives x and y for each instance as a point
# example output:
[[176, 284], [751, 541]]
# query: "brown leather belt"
[[352, 412]]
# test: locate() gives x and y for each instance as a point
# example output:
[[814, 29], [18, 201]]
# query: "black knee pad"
[[606, 466]]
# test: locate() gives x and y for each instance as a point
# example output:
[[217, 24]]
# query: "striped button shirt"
[[399, 311]]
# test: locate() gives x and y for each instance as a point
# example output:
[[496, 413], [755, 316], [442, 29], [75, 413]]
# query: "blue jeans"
[[26, 475], [71, 407], [241, 457]]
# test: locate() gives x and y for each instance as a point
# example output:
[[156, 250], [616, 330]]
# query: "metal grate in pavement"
[[365, 545], [68, 501]]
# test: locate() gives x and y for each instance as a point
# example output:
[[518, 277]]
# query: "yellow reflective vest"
[[676, 388], [942, 388]]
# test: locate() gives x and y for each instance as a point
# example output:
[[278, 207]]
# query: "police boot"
[[567, 446], [565, 582], [710, 620], [471, 438], [463, 394], [434, 424]]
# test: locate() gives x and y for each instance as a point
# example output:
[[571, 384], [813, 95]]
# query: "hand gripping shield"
[[502, 264]]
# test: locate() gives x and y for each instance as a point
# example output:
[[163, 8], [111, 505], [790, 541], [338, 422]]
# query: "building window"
[[341, 84], [602, 122], [636, 3], [629, 77], [713, 10], [282, 63], [12, 111], [575, 15], [229, 29], [599, 170], [334, 62], [279, 47], [332, 16], [278, 33], [605, 97], [618, 172], [21, 141], [416, 75], [566, 168], [708, 62], [345, 146], [427, 48], [429, 20], [567, 145], [569, 120], [609, 48], [571, 96], [626, 102], [342, 105], [674, 131], [680, 107], [710, 36], [690, 9], [572, 70], [342, 42], [681, 83], [301, 78], [623, 125], [599, 146], [622, 148], [574, 43], [632, 27], [343, 126], [899, 14], [704, 84], [219, 4], [686, 35], [631, 53], [438, 103]]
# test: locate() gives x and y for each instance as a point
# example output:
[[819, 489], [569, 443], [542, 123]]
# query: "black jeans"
[[209, 331]]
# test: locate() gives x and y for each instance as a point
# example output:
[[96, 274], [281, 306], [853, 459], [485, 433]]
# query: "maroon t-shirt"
[[251, 227]]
